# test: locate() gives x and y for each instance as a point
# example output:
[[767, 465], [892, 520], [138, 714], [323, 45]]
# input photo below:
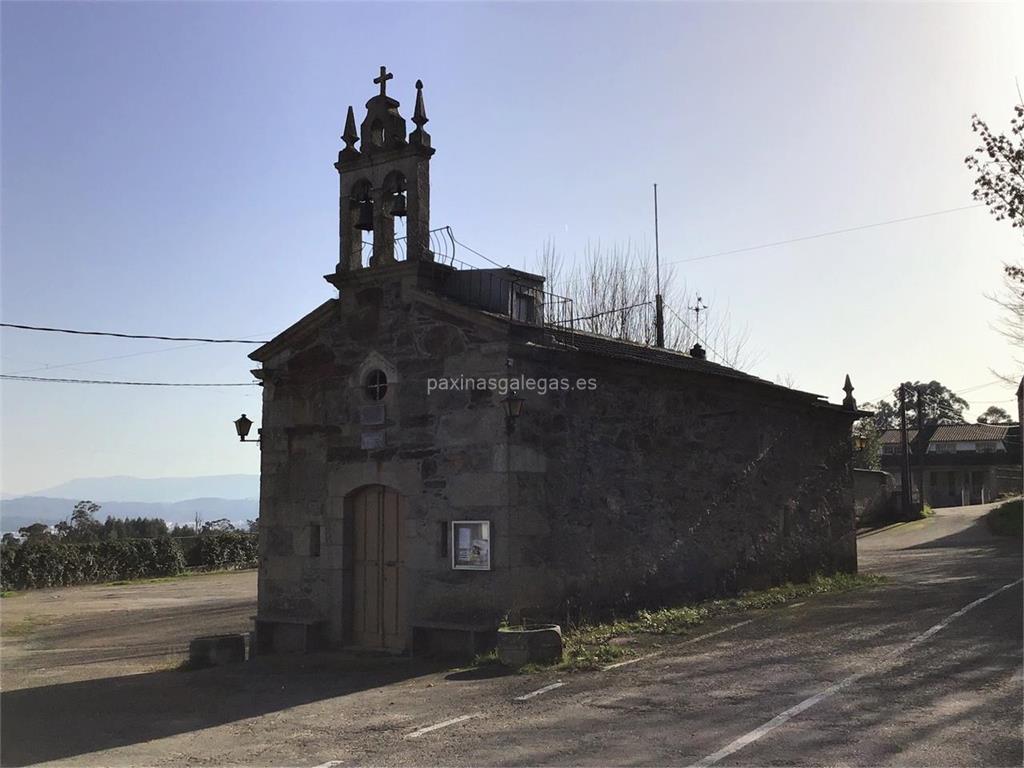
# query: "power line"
[[80, 363], [485, 258], [826, 234], [963, 391], [12, 377], [695, 336], [496, 264], [132, 335], [606, 312]]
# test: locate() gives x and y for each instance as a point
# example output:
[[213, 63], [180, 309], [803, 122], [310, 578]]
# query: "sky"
[[167, 169]]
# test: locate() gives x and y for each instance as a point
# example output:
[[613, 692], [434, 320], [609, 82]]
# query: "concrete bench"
[[288, 634]]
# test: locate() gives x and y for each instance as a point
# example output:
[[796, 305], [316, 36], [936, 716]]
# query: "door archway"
[[377, 609]]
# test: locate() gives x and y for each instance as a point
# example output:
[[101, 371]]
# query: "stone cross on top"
[[383, 80]]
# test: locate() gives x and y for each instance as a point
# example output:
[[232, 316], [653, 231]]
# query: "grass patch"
[[1007, 519], [165, 579], [488, 659], [153, 580], [26, 626], [594, 646], [9, 593]]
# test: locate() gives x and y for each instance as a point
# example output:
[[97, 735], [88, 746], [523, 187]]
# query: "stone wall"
[[873, 496], [664, 485], [657, 485]]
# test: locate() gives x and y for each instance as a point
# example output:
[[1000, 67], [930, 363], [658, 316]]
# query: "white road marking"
[[789, 714], [797, 605], [627, 662], [705, 636], [330, 764], [538, 692], [445, 724]]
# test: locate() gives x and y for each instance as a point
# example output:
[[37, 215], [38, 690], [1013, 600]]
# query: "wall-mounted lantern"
[[242, 426], [513, 410]]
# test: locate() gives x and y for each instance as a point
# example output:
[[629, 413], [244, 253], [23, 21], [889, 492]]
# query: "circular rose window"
[[376, 385]]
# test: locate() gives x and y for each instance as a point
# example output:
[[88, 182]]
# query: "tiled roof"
[[605, 346], [893, 436], [949, 433], [952, 433]]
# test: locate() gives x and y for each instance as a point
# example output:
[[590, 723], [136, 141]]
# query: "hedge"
[[56, 564], [230, 549]]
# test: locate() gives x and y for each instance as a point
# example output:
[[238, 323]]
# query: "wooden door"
[[378, 603]]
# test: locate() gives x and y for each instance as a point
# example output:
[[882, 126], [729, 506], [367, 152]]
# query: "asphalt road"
[[905, 693], [924, 671]]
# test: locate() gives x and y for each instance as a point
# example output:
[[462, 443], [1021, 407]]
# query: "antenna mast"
[[659, 317]]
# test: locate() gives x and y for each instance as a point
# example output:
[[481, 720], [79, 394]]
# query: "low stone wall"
[[873, 495]]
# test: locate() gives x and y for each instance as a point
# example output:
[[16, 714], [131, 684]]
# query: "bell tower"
[[388, 176]]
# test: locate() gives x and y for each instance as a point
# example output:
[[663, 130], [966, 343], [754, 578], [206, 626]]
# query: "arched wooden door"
[[378, 554]]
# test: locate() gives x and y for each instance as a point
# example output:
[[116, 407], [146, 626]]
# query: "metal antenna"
[[659, 316], [699, 307]]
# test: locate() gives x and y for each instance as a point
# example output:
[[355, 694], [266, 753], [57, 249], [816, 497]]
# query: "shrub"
[[56, 564], [227, 550]]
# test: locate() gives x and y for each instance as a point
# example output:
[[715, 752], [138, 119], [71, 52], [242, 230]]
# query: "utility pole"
[[920, 445], [659, 316], [907, 495]]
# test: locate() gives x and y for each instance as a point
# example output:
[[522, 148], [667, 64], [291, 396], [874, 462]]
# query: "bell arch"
[[390, 179], [356, 217]]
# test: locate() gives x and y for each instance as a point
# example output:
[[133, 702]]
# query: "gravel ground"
[[919, 681]]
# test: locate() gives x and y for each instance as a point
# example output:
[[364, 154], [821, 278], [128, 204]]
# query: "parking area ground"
[[923, 670], [81, 633]]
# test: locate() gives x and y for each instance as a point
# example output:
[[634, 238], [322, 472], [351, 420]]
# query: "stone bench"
[[288, 634]]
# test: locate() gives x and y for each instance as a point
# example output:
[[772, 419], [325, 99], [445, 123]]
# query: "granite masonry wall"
[[659, 484]]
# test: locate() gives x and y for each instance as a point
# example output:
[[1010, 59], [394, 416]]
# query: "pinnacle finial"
[[848, 401], [419, 116], [350, 136]]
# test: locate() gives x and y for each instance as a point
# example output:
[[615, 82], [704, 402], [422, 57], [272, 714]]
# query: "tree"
[[612, 290], [84, 525], [868, 444], [1011, 323], [999, 163], [940, 405], [36, 532], [222, 525], [886, 415], [995, 415]]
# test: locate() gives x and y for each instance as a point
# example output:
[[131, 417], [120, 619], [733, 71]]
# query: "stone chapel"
[[400, 514]]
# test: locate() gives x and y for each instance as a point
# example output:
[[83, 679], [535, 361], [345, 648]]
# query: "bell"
[[365, 221], [398, 204]]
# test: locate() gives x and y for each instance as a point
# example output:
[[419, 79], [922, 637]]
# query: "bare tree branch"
[[612, 288]]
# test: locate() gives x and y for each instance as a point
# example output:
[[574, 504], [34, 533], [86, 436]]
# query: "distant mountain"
[[25, 510], [157, 489]]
